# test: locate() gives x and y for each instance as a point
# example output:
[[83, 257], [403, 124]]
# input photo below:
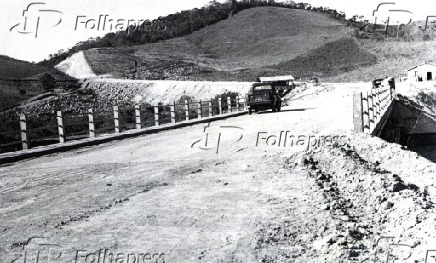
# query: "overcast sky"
[[52, 37]]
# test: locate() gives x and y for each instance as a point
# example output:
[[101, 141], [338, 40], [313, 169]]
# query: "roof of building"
[[423, 64], [277, 78]]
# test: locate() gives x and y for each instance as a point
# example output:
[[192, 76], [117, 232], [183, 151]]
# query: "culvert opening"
[[412, 123]]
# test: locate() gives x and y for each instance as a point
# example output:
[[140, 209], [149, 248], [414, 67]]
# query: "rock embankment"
[[105, 93]]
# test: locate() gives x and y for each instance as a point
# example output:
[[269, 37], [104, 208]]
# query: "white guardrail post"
[[377, 112], [366, 120], [374, 107], [199, 111], [229, 104], [371, 111], [91, 123], [138, 117], [156, 116], [60, 122], [173, 113], [116, 119], [220, 106], [187, 110], [23, 131], [379, 104]]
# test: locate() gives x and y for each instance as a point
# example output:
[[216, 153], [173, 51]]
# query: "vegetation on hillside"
[[48, 82], [16, 69], [181, 24], [204, 44], [241, 48]]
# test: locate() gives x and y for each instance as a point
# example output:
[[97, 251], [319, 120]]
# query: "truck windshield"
[[266, 87]]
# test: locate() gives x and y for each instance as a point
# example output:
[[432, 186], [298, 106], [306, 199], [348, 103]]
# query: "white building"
[[423, 72]]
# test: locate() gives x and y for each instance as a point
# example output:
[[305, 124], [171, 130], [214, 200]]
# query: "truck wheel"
[[250, 111]]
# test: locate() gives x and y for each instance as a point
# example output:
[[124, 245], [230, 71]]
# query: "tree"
[[48, 82]]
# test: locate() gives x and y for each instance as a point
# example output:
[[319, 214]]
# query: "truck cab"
[[268, 93], [263, 96]]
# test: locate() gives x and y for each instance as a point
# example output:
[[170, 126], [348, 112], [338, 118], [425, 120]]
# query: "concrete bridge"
[[202, 192]]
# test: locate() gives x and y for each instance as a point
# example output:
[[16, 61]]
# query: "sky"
[[51, 25]]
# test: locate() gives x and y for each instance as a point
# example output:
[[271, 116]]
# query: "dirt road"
[[161, 197]]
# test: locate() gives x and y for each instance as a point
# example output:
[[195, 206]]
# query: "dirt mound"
[[154, 92], [76, 66], [105, 93]]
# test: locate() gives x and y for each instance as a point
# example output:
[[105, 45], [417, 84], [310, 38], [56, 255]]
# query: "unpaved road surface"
[[161, 197]]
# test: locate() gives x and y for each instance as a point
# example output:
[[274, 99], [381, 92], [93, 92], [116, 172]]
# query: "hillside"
[[343, 55], [239, 48], [17, 69], [20, 81], [14, 69], [394, 58], [264, 41]]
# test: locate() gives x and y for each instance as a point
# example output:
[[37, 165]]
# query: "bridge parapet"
[[372, 108]]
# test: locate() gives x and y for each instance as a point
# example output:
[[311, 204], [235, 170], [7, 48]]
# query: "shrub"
[[48, 82]]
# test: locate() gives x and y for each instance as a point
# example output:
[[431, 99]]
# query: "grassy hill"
[[13, 69], [265, 41], [16, 69], [253, 42]]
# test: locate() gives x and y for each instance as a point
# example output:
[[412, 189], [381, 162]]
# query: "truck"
[[386, 81], [268, 92]]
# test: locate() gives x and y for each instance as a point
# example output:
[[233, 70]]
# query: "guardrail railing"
[[370, 108], [21, 132]]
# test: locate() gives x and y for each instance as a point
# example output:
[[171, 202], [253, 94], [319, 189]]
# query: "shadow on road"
[[267, 112]]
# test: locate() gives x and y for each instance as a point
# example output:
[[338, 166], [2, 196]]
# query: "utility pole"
[[387, 27]]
